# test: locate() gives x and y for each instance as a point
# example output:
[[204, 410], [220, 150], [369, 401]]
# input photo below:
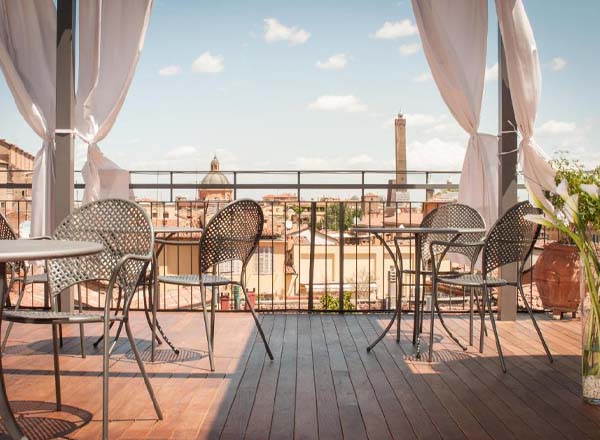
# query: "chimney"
[[400, 126]]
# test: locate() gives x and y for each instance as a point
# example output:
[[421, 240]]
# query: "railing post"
[[171, 184], [311, 267], [507, 176], [234, 185], [65, 104], [342, 227]]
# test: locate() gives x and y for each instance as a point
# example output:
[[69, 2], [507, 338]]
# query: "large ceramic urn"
[[556, 275]]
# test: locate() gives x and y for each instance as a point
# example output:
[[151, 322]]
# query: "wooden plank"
[[394, 414], [370, 407], [306, 402], [259, 424], [282, 426], [328, 416], [417, 415], [439, 415], [351, 419], [239, 412]]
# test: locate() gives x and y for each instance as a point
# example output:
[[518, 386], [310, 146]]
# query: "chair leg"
[[81, 331], [213, 306], [101, 338], [535, 324], [256, 321], [142, 370], [481, 310], [147, 313], [105, 377], [488, 301], [55, 338], [17, 305], [207, 327], [432, 318], [454, 338], [471, 316], [398, 305]]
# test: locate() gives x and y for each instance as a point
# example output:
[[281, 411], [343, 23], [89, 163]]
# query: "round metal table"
[[22, 250], [417, 232], [163, 236]]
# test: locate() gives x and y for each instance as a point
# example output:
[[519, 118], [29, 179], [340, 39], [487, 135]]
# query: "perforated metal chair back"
[[122, 226], [511, 239], [232, 234], [6, 231], [454, 215]]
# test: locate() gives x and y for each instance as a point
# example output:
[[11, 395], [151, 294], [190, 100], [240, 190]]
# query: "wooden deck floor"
[[322, 383]]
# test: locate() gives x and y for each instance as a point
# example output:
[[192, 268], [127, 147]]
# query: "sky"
[[316, 85]]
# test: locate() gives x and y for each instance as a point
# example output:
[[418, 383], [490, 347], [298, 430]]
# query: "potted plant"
[[556, 271], [573, 208]]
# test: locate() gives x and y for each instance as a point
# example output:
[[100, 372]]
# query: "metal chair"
[[510, 240], [454, 215], [232, 234], [7, 233], [125, 230]]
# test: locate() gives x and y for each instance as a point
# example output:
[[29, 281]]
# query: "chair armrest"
[[41, 237], [450, 244], [115, 273], [170, 242]]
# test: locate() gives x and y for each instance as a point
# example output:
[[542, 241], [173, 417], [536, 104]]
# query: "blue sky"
[[288, 85]]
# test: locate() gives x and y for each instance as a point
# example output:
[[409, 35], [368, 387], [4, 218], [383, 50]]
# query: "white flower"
[[563, 189], [540, 220], [571, 207], [591, 189]]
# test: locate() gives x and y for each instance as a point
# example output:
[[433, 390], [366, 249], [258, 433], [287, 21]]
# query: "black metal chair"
[[125, 231], [510, 240], [232, 234], [453, 215]]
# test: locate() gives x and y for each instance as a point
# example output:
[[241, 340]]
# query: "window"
[[264, 260], [233, 267]]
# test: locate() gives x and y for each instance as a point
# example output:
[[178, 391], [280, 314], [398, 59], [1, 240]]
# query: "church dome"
[[214, 176]]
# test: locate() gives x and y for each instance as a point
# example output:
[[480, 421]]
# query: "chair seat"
[[49, 317], [194, 280], [472, 280], [36, 278]]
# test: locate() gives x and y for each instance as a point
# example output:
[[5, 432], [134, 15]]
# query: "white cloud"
[[491, 73], [338, 103], [558, 63], [275, 31], [435, 154], [334, 62], [209, 63], [360, 160], [556, 127], [423, 77], [170, 70], [181, 151], [422, 119], [409, 49], [392, 30]]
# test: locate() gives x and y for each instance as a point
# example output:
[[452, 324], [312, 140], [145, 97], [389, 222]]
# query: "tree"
[[331, 220]]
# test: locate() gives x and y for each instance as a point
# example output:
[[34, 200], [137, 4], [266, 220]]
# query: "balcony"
[[322, 383]]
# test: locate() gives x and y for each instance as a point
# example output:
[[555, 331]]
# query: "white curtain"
[[525, 80], [454, 38], [111, 37], [28, 61]]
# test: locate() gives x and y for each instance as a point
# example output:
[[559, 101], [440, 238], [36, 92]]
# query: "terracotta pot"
[[224, 302], [252, 299], [556, 275]]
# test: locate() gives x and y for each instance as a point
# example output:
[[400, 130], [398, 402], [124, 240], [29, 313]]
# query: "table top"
[[176, 230], [19, 250], [415, 230]]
